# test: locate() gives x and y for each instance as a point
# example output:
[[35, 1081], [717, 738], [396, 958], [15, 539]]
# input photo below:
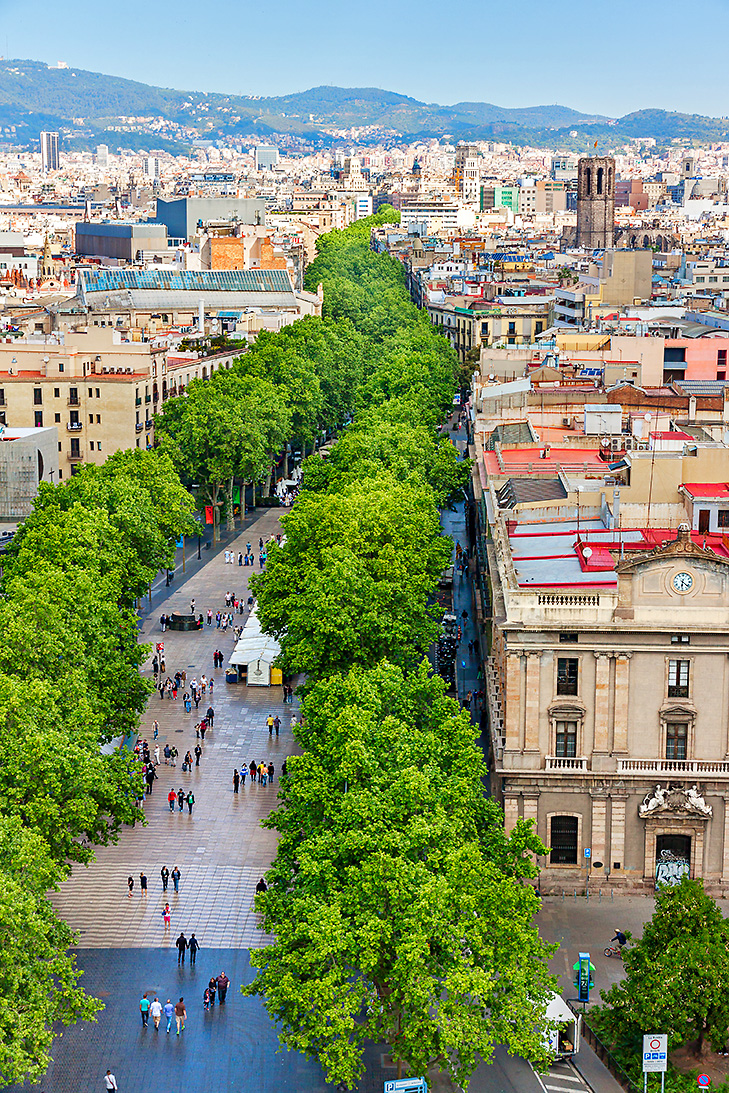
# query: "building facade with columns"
[[608, 698]]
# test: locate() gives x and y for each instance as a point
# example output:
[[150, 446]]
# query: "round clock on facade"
[[683, 582]]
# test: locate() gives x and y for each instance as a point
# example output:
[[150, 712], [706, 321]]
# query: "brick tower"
[[595, 202]]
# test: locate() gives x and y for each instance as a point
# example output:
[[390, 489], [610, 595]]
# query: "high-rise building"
[[266, 157], [151, 167], [102, 155], [49, 151], [595, 202]]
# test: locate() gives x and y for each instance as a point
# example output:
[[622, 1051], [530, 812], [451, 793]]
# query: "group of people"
[[249, 558], [156, 1011], [181, 798], [262, 771]]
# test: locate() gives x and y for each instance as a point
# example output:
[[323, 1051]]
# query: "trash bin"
[[231, 676]]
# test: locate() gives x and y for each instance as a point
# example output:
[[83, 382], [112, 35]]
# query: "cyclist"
[[619, 937]]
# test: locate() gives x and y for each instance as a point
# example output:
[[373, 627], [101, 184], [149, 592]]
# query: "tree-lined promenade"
[[401, 911]]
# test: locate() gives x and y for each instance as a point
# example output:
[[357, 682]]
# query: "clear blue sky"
[[600, 57]]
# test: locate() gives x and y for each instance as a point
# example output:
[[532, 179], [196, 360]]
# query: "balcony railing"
[[559, 762], [75, 457], [73, 400], [137, 401], [147, 398], [148, 424], [74, 426], [138, 427], [705, 767]]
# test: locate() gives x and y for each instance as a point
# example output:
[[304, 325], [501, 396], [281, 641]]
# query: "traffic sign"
[[655, 1053], [588, 851], [703, 1081], [407, 1085]]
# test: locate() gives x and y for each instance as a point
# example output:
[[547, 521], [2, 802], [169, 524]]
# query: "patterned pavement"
[[221, 850]]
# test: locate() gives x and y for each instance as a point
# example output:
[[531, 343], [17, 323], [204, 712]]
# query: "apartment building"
[[604, 590]]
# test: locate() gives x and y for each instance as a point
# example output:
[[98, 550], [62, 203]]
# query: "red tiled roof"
[[716, 490]]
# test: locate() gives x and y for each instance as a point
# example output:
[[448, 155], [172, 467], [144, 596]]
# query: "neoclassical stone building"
[[608, 696]]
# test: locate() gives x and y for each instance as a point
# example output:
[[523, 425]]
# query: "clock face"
[[683, 582]]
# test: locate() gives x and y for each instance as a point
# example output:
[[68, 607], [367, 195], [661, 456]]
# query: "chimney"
[[692, 410], [616, 508]]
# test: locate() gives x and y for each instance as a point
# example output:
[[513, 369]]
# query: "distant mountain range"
[[89, 108]]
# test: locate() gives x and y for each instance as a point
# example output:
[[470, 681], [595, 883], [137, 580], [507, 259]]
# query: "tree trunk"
[[286, 462], [230, 519], [268, 481]]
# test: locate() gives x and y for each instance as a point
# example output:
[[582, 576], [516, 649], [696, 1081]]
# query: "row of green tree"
[[400, 909], [70, 683]]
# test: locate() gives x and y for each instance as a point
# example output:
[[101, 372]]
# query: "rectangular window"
[[75, 448], [512, 328], [2, 396], [676, 738], [568, 636], [678, 678], [565, 743], [563, 840], [37, 396], [98, 445], [91, 419], [91, 392], [39, 419], [91, 445], [680, 639], [567, 675], [73, 396], [57, 418], [98, 395], [56, 392], [723, 518], [60, 366], [98, 419], [721, 358]]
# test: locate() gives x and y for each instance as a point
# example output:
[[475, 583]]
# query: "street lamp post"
[[199, 540]]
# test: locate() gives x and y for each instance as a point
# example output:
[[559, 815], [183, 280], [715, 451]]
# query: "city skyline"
[[610, 66]]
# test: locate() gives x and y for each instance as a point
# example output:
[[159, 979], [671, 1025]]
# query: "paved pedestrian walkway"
[[221, 849]]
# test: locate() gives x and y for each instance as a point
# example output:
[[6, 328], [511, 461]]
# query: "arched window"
[[588, 180], [610, 180], [600, 173]]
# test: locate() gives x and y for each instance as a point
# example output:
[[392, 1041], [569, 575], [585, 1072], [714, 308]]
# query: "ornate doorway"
[[673, 858]]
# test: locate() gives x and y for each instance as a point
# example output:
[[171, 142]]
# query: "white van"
[[563, 1028]]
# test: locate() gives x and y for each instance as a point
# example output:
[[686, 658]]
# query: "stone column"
[[620, 727], [512, 714], [725, 854], [617, 831], [531, 727], [602, 685], [599, 827], [511, 811]]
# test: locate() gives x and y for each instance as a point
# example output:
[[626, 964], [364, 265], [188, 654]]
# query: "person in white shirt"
[[156, 1010], [110, 1080]]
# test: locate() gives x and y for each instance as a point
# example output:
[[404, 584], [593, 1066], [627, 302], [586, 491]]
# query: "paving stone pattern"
[[221, 850]]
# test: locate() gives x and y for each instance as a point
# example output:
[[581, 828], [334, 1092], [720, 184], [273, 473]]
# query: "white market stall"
[[254, 655]]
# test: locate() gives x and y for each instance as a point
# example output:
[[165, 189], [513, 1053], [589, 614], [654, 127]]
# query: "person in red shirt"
[[171, 798]]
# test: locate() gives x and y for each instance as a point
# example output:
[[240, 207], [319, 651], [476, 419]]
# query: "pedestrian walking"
[[193, 945], [261, 886], [243, 772], [176, 878], [110, 1080], [156, 755], [236, 780], [180, 1015], [269, 722], [192, 606], [173, 756], [212, 987], [210, 713], [270, 772], [155, 733], [169, 1012], [149, 777], [190, 802], [144, 1010], [167, 753], [277, 723], [142, 884], [165, 874], [206, 999], [166, 916], [181, 945], [156, 1011], [198, 753], [171, 798], [210, 617], [223, 982], [181, 798], [252, 768], [130, 885], [203, 729]]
